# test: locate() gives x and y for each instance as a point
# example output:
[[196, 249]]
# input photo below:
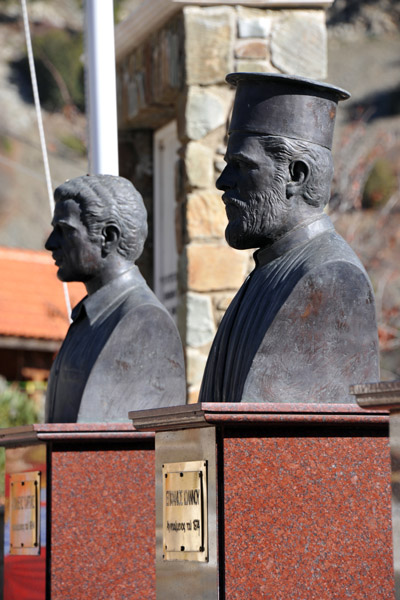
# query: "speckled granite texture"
[[307, 516], [103, 525]]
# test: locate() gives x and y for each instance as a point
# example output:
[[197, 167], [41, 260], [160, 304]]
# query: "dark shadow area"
[[350, 11], [49, 92], [59, 70], [20, 76], [8, 19], [136, 164], [377, 105]]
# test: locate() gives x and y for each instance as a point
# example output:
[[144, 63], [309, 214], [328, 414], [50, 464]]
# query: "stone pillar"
[[219, 40]]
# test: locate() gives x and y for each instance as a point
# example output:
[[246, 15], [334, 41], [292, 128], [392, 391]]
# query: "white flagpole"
[[101, 93]]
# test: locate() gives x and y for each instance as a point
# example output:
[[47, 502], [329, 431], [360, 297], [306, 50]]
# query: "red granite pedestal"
[[386, 395], [301, 495], [97, 513]]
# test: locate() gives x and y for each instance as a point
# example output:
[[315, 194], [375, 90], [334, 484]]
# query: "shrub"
[[59, 69], [381, 184]]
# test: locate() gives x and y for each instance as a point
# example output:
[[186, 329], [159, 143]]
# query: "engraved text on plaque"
[[185, 511], [24, 513]]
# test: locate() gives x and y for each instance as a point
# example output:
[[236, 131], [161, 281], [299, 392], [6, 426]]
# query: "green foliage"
[[117, 8], [58, 56], [5, 144], [16, 407], [59, 70], [13, 2], [74, 143], [380, 185]]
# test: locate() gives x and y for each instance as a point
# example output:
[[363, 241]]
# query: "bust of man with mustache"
[[302, 327]]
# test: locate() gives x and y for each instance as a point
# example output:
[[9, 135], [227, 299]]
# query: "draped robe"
[[302, 327]]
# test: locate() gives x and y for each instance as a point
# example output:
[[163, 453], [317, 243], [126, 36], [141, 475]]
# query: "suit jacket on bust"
[[122, 352]]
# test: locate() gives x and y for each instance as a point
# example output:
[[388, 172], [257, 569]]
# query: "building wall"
[[179, 73]]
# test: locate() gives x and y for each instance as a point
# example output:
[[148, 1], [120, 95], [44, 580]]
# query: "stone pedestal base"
[[301, 495], [385, 395], [97, 524]]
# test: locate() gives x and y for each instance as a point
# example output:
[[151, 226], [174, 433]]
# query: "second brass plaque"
[[25, 513], [185, 511]]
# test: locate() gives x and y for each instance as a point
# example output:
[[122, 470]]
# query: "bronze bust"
[[122, 350], [302, 328]]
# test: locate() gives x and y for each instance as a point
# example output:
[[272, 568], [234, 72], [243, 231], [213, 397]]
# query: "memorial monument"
[[122, 350], [276, 484], [302, 327]]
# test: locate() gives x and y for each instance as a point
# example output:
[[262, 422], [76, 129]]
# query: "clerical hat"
[[285, 105]]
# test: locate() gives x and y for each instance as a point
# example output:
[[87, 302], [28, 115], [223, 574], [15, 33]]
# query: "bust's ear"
[[299, 172], [110, 237]]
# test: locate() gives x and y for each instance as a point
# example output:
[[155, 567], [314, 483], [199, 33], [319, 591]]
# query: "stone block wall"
[[180, 73], [150, 78]]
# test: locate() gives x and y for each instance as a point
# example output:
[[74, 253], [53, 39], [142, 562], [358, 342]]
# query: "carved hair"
[[108, 200], [316, 189]]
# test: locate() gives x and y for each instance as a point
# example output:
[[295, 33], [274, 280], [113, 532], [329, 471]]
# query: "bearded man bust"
[[302, 328]]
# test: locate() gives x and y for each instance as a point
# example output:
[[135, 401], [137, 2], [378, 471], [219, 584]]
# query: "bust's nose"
[[225, 181], [50, 242]]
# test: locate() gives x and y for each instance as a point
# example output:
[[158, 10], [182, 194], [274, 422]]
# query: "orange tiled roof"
[[32, 303]]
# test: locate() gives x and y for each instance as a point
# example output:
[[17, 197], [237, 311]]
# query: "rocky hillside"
[[56, 27], [364, 17], [364, 51]]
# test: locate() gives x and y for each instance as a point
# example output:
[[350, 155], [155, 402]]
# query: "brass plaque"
[[185, 527], [25, 513]]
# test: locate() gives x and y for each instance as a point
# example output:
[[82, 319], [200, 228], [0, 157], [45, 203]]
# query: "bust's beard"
[[257, 222]]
